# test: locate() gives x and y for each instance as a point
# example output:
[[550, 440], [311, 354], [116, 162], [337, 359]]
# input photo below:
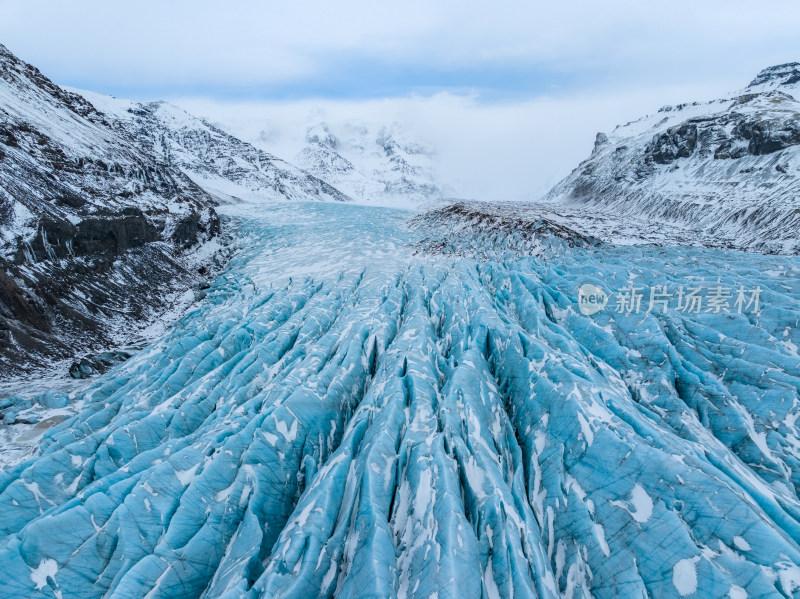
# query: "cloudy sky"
[[511, 93]]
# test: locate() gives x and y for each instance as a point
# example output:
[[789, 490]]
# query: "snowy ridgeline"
[[354, 161], [222, 164], [403, 426], [383, 165], [720, 173]]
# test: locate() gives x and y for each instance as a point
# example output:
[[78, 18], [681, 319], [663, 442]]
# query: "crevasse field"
[[342, 415]]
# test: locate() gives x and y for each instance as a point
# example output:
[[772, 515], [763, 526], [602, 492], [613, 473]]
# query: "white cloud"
[[245, 43], [490, 151]]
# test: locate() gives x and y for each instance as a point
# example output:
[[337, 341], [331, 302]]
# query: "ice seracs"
[[362, 408], [400, 425]]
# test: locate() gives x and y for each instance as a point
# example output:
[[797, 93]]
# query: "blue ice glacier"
[[341, 416]]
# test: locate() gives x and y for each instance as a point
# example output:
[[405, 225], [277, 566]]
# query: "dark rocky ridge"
[[731, 135], [482, 229], [96, 233]]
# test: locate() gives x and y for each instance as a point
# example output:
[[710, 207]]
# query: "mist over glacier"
[[344, 415], [491, 149]]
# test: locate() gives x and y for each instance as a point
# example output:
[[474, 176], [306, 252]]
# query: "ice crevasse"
[[403, 426]]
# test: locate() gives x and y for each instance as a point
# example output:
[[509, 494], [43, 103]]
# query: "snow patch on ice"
[[684, 576]]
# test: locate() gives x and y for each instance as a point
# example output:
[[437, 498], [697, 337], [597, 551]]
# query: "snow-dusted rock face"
[[503, 229], [220, 163], [374, 164], [94, 229], [727, 171], [485, 230], [782, 75]]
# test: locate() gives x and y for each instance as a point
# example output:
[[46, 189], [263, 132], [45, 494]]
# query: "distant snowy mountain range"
[[356, 161], [373, 163], [220, 163]]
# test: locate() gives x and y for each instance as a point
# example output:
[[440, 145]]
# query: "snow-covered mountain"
[[725, 172], [322, 157], [95, 230], [782, 75], [379, 163], [220, 163], [375, 164]]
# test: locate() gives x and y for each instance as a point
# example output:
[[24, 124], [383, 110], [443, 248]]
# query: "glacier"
[[345, 414]]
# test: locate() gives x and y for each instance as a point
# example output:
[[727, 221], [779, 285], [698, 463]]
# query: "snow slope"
[[218, 162], [350, 419], [727, 171], [61, 158]]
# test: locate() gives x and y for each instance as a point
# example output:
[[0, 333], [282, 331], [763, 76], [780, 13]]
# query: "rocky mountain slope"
[[220, 163], [96, 233], [720, 174], [727, 171]]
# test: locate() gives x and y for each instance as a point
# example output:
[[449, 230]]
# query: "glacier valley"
[[348, 414]]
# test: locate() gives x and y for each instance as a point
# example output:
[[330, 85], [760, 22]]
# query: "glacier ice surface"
[[340, 416]]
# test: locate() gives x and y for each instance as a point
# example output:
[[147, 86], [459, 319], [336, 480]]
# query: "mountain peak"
[[7, 56], [320, 134], [778, 75]]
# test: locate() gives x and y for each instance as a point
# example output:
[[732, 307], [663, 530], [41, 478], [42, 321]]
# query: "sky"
[[510, 94]]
